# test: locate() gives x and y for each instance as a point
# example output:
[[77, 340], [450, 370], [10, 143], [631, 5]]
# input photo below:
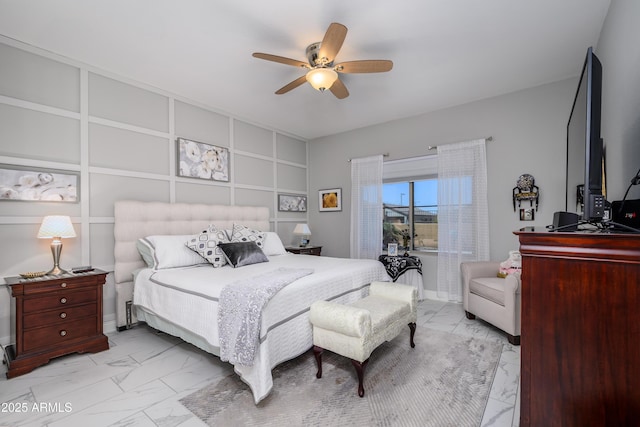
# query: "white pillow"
[[242, 233], [272, 244], [206, 244], [161, 252]]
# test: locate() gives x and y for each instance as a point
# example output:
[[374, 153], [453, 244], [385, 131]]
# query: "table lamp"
[[304, 232], [56, 227]]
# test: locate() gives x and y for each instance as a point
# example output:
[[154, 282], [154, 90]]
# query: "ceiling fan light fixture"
[[321, 78]]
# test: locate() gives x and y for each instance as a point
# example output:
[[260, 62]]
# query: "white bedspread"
[[187, 300]]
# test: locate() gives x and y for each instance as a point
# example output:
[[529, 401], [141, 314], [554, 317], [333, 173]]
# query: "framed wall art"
[[330, 200], [527, 214], [292, 203], [392, 249], [26, 183], [203, 161]]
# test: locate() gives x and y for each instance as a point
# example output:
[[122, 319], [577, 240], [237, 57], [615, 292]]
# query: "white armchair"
[[491, 298]]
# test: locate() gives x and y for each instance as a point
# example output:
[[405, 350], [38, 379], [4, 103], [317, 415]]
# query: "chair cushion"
[[491, 288], [384, 311]]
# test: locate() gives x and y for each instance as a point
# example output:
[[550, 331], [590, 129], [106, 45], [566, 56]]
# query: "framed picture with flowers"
[[33, 184], [203, 161], [330, 200]]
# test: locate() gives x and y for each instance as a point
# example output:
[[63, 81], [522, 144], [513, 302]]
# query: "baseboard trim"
[[109, 326], [433, 295]]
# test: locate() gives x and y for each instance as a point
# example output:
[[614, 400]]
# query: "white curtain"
[[463, 212], [366, 207]]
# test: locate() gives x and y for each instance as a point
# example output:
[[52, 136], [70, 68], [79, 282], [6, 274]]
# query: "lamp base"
[[56, 271]]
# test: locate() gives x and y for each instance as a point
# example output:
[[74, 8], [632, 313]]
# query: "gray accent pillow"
[[239, 254]]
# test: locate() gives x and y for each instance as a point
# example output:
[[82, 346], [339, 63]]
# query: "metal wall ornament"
[[526, 190]]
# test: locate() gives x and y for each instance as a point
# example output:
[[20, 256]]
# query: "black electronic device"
[[585, 192], [626, 212], [82, 269], [565, 221]]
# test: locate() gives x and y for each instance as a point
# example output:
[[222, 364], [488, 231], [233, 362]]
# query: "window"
[[411, 207]]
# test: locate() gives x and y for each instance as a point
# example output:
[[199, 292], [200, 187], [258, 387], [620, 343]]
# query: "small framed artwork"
[[32, 184], [527, 214], [392, 249], [203, 161], [330, 200], [292, 203]]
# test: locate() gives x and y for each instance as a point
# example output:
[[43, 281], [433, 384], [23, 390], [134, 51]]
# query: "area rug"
[[444, 381]]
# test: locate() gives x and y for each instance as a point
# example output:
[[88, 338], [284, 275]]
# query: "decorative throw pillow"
[[168, 251], [245, 234], [206, 244], [272, 244], [239, 254]]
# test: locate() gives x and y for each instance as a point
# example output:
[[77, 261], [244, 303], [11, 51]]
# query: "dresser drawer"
[[58, 300], [59, 284], [63, 316], [59, 334]]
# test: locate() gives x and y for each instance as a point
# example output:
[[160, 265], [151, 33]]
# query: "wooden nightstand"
[[55, 315], [307, 250]]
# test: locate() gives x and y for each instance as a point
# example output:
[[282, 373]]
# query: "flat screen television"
[[585, 158]]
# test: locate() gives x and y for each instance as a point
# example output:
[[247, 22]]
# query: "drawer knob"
[[63, 333], [63, 315], [63, 300], [63, 284]]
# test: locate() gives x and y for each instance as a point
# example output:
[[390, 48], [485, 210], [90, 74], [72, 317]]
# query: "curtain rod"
[[432, 147], [383, 155]]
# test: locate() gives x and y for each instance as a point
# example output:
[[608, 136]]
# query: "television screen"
[[585, 160]]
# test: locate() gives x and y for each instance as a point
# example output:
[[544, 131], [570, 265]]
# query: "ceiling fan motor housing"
[[312, 53]]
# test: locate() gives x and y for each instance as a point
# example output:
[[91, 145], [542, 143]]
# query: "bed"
[[193, 291]]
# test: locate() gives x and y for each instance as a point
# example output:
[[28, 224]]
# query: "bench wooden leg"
[[412, 327], [360, 371], [317, 352]]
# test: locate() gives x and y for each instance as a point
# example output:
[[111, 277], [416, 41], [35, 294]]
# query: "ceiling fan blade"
[[332, 41], [364, 66], [281, 59], [339, 89], [294, 84]]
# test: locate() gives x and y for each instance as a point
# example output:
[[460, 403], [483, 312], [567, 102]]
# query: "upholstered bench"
[[355, 330]]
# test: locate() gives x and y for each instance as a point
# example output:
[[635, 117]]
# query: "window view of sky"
[[397, 193]]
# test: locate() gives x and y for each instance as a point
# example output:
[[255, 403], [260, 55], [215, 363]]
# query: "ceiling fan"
[[322, 74]]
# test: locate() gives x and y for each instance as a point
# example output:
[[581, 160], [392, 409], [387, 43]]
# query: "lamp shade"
[[56, 226], [301, 229], [322, 78]]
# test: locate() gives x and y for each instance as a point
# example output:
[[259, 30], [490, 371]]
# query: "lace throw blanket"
[[240, 312]]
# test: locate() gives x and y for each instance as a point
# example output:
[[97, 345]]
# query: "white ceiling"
[[445, 52]]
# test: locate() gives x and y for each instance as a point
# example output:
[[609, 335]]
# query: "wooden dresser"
[[580, 345], [55, 316]]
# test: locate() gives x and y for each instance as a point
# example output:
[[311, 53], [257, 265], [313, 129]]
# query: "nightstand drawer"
[[59, 300], [305, 250], [59, 334], [64, 315], [58, 284]]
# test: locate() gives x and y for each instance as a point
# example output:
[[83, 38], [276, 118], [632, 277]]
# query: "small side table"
[[306, 250], [405, 269], [55, 315]]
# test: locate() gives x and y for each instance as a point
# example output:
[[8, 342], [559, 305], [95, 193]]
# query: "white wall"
[[121, 137], [619, 51], [529, 136]]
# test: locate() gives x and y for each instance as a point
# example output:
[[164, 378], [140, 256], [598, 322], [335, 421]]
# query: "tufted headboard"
[[135, 219]]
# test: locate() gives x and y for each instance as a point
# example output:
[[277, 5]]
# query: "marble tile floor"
[[141, 378]]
